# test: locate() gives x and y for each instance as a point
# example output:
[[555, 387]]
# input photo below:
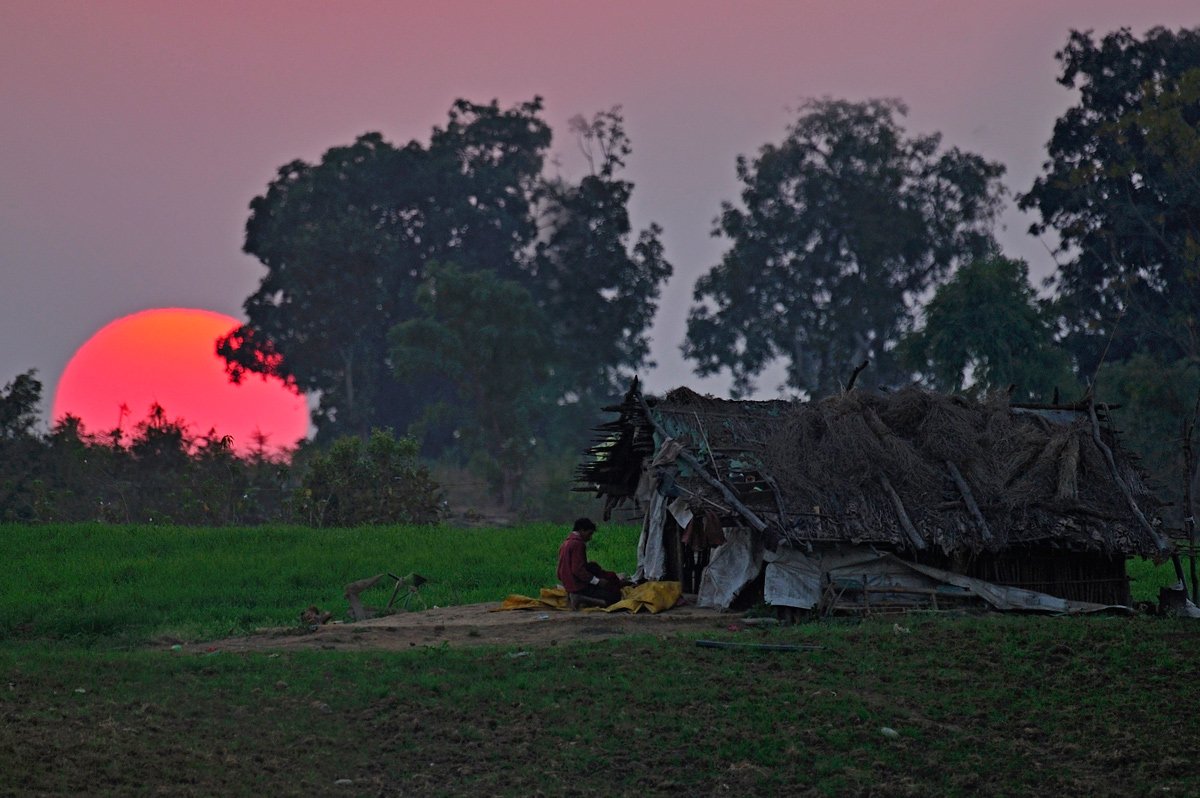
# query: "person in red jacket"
[[583, 578]]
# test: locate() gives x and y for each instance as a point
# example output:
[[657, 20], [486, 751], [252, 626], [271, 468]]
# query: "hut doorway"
[[688, 549]]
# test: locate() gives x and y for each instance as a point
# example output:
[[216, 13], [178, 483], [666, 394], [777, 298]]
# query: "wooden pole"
[[357, 611], [757, 523], [1158, 539], [854, 376], [756, 646], [969, 498], [902, 514], [726, 493], [1189, 467]]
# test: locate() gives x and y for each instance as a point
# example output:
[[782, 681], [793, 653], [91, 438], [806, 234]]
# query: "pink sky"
[[136, 133]]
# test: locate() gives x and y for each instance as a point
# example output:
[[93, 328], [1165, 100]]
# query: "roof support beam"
[[969, 498], [902, 514], [1159, 540], [687, 457]]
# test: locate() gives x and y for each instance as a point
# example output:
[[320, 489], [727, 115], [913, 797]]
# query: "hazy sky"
[[133, 135]]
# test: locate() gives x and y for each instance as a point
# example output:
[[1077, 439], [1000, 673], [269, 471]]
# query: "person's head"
[[584, 527]]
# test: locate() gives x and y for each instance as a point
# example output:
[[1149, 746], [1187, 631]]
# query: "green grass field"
[[95, 703], [128, 584]]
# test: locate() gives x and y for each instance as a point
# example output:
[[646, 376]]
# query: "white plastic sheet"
[[1011, 598], [888, 570], [796, 579], [792, 579], [733, 565], [651, 556], [681, 512]]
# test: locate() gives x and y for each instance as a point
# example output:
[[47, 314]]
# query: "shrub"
[[378, 482]]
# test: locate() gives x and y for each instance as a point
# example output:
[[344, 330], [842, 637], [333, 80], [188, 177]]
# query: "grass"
[[981, 705], [131, 583], [1146, 579]]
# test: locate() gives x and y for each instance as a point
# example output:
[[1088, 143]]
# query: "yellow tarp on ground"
[[650, 596], [553, 598]]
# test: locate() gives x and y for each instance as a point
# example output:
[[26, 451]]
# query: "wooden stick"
[[357, 611], [693, 493], [854, 376], [965, 490], [756, 646], [770, 480], [677, 547], [395, 592], [726, 493], [1158, 539], [756, 522], [905, 522], [707, 445], [1189, 499], [1068, 469]]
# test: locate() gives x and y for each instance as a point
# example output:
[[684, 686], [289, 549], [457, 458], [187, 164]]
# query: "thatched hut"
[[860, 500]]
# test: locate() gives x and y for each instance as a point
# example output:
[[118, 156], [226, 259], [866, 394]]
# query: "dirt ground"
[[475, 625]]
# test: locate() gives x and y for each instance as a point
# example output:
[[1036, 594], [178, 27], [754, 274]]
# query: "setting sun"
[[168, 356]]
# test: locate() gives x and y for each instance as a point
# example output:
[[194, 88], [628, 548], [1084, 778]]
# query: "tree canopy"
[[487, 337], [843, 226], [1156, 402], [19, 406], [985, 329], [348, 241], [1121, 189], [598, 290], [345, 243], [163, 474]]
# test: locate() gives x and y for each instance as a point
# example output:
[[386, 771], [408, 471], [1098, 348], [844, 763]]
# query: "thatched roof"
[[909, 469]]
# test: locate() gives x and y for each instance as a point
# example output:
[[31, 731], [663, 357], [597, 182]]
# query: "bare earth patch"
[[474, 625]]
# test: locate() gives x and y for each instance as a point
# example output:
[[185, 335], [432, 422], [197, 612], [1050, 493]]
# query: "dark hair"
[[583, 525]]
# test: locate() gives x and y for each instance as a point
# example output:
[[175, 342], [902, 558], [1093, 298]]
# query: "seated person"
[[580, 577]]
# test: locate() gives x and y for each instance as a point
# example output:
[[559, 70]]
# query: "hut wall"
[[1078, 576]]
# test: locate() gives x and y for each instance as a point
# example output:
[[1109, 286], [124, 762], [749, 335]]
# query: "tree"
[[985, 329], [162, 475], [1122, 191], [844, 225], [19, 406], [488, 338], [346, 241], [1152, 402], [21, 450], [598, 293]]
